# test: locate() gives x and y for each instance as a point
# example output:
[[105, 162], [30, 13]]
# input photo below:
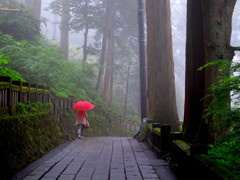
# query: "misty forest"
[[162, 72]]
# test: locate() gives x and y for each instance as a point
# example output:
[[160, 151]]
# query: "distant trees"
[[208, 38], [114, 24], [119, 43], [161, 89], [79, 15], [64, 27], [125, 82], [87, 15], [35, 7], [62, 8], [20, 25], [107, 33]]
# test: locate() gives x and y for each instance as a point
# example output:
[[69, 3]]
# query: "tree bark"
[[64, 39], [207, 40], [126, 92], [85, 16], [85, 43], [160, 68], [111, 82], [142, 61], [104, 45], [194, 81], [109, 61], [35, 7]]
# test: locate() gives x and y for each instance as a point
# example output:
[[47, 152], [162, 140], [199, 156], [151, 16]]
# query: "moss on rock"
[[24, 138]]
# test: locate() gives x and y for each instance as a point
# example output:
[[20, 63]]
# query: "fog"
[[178, 10], [50, 28]]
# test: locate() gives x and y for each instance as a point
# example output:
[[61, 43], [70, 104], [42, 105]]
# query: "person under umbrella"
[[82, 122]]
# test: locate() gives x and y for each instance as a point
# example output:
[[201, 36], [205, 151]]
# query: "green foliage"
[[117, 107], [21, 25], [43, 64], [5, 71], [223, 93], [227, 155], [226, 119], [133, 118], [87, 14], [25, 138], [32, 107]]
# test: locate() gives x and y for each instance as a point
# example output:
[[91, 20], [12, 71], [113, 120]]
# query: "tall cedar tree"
[[108, 15], [35, 7], [160, 68], [208, 38], [86, 15], [64, 37], [142, 61], [127, 90], [108, 69]]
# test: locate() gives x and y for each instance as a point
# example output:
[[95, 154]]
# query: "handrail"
[[159, 137], [14, 92]]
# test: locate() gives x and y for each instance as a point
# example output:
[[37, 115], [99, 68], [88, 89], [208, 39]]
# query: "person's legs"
[[79, 130], [82, 130]]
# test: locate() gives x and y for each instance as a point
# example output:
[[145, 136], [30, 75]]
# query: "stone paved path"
[[102, 158]]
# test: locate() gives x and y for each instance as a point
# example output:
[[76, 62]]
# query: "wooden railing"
[[14, 92], [182, 154], [128, 125], [159, 136]]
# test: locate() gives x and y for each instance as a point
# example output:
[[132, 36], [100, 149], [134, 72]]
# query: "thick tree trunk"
[[142, 61], [109, 61], [35, 7], [85, 14], [161, 85], [85, 43], [111, 83], [207, 41], [194, 81], [102, 62], [126, 92], [64, 39], [109, 11]]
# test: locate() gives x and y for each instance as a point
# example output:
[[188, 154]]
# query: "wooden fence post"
[[13, 92], [18, 93], [155, 138], [26, 97], [40, 94], [165, 139], [9, 94], [47, 94], [33, 94], [18, 83]]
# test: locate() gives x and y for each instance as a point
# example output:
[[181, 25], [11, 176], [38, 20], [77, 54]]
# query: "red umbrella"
[[83, 106]]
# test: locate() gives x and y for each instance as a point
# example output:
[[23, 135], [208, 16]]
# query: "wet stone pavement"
[[102, 158]]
